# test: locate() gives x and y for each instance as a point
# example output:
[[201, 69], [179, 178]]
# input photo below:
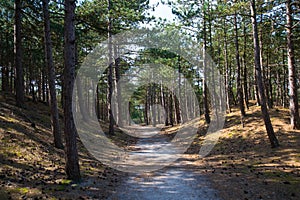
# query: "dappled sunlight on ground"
[[244, 162], [30, 167], [241, 166], [169, 183]]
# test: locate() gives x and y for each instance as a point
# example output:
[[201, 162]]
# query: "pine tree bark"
[[82, 105], [9, 68], [179, 116], [110, 73], [238, 78], [270, 131], [294, 106], [153, 103], [118, 89], [97, 102], [285, 79], [19, 81], [245, 75], [256, 90], [226, 69], [205, 89], [268, 82], [4, 70], [1, 63], [5, 78], [166, 106], [72, 165], [146, 115], [51, 78], [162, 103], [171, 108], [264, 75]]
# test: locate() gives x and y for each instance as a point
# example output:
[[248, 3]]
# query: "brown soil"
[[241, 166], [31, 168], [244, 166]]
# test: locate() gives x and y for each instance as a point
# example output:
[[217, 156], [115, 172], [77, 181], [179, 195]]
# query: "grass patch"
[[20, 190], [65, 182]]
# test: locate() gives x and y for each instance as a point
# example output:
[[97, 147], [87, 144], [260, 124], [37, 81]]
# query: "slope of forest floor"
[[241, 166], [244, 166], [30, 167]]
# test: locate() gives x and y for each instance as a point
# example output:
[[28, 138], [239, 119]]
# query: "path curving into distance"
[[176, 182]]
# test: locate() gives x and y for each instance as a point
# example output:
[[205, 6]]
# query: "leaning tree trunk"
[[72, 165], [19, 84], [294, 107], [273, 140], [51, 78]]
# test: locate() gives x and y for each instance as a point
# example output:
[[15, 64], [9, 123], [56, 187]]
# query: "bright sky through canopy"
[[163, 11]]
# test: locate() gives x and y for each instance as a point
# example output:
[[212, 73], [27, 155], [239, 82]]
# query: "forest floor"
[[244, 166], [241, 166], [31, 168]]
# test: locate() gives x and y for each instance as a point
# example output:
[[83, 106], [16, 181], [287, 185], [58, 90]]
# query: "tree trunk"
[[82, 106], [162, 103], [171, 108], [51, 78], [205, 98], [4, 70], [103, 104], [179, 116], [256, 95], [166, 106], [12, 75], [72, 165], [278, 88], [44, 86], [19, 82], [245, 75], [153, 104], [238, 78], [9, 67], [226, 69], [2, 64], [294, 107], [98, 102], [268, 82], [284, 82], [110, 74], [118, 90], [264, 75], [273, 140], [147, 106], [158, 98]]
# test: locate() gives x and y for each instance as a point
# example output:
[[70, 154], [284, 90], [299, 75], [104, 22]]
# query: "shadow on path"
[[174, 182]]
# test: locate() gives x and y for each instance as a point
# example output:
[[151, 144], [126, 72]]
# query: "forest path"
[[177, 181]]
